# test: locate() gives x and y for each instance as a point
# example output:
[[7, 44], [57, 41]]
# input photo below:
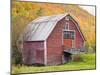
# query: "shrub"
[[16, 56], [77, 58]]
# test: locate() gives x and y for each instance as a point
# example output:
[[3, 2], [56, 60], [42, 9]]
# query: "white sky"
[[90, 9]]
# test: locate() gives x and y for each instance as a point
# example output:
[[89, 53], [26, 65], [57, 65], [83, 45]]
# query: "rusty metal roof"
[[40, 28]]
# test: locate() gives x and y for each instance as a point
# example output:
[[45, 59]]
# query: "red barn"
[[50, 40]]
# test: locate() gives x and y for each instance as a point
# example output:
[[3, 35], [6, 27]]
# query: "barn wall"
[[54, 45], [78, 39], [54, 42], [33, 52]]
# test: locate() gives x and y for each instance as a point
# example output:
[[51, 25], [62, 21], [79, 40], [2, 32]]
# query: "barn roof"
[[40, 28]]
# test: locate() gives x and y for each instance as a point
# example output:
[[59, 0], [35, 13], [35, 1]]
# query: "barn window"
[[67, 18], [66, 35], [66, 25], [72, 35], [69, 34]]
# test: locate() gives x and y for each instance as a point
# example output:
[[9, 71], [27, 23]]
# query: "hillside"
[[25, 12]]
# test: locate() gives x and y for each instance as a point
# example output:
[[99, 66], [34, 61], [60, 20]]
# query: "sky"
[[90, 9]]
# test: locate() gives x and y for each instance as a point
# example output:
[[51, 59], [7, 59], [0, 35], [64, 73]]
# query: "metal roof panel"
[[40, 28]]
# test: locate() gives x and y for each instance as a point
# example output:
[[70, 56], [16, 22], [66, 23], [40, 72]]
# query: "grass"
[[87, 63]]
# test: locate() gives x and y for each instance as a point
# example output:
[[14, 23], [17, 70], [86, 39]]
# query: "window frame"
[[66, 26], [70, 34]]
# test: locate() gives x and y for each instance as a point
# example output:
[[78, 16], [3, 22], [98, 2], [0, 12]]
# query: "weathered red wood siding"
[[33, 52], [54, 42], [54, 45], [78, 39]]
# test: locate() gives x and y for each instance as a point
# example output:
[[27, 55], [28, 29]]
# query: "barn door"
[[69, 39]]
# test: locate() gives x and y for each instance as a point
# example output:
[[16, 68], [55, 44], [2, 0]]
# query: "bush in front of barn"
[[77, 58], [16, 56]]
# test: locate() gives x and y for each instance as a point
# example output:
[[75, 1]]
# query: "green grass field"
[[87, 63]]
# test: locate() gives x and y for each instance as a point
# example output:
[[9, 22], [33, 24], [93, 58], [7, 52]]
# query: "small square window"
[[67, 18], [66, 25]]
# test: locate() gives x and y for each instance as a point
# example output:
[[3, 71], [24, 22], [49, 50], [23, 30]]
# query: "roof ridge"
[[47, 18], [53, 15]]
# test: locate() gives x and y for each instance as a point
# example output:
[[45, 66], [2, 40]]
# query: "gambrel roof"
[[40, 28]]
